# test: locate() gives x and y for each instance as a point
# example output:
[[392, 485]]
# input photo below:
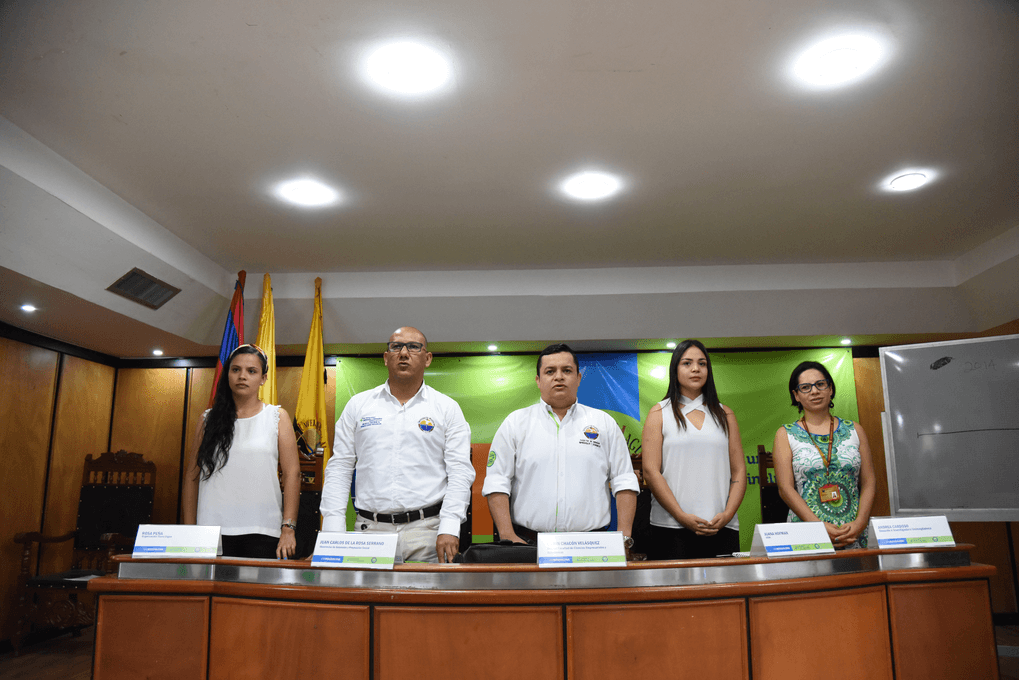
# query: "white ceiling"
[[147, 134]]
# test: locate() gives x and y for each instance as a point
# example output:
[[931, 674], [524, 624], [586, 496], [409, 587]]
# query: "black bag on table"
[[499, 552]]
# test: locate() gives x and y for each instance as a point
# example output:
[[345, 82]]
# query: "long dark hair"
[[710, 393], [219, 423]]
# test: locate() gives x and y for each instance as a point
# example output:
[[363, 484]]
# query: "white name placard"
[[910, 532], [354, 551], [583, 550], [188, 541], [793, 539]]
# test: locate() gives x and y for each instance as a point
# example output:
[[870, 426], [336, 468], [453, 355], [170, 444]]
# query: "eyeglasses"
[[821, 386], [412, 347]]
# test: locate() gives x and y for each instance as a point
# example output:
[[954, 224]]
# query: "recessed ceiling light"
[[591, 185], [670, 345], [492, 348], [157, 352], [840, 60], [307, 193], [28, 308], [407, 68], [847, 341], [908, 179]]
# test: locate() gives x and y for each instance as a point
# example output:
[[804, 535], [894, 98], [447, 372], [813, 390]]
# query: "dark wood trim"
[[30, 338]]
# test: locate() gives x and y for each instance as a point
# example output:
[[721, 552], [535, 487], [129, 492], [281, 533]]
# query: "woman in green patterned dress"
[[822, 463]]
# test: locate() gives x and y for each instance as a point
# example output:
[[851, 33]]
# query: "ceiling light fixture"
[[408, 69], [492, 348], [670, 345], [28, 308], [840, 60], [846, 341], [908, 179], [307, 193], [157, 352], [591, 185]]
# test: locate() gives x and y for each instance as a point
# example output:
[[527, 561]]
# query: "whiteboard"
[[951, 426]]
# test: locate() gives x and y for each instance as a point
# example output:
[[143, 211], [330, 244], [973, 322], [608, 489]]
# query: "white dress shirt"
[[560, 476], [407, 456]]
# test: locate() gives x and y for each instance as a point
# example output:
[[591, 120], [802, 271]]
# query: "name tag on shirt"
[[792, 539], [180, 541], [903, 532], [583, 549], [340, 550]]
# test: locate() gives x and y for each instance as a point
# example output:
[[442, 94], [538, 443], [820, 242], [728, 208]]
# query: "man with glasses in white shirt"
[[411, 449], [555, 466]]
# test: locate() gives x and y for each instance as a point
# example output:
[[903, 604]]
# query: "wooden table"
[[922, 613]]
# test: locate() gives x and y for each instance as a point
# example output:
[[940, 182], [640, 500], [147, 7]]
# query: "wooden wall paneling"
[[870, 401], [155, 637], [482, 523], [28, 381], [990, 541], [831, 635], [81, 426], [281, 640], [496, 643], [928, 644], [699, 640], [148, 418]]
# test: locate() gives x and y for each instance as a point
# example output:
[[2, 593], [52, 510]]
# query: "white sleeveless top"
[[244, 497], [695, 464]]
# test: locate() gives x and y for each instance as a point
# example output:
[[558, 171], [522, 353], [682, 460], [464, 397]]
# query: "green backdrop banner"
[[753, 384]]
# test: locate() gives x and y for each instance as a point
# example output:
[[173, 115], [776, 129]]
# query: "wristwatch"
[[628, 542], [289, 523]]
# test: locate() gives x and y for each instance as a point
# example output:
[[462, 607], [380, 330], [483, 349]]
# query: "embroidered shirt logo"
[[491, 458], [591, 432], [368, 421], [426, 424]]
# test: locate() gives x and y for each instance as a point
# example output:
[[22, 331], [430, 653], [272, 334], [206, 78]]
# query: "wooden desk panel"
[[832, 635], [263, 639], [493, 643], [154, 637], [696, 640], [930, 644]]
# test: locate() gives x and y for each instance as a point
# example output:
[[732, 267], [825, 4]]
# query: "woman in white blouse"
[[693, 463], [232, 478]]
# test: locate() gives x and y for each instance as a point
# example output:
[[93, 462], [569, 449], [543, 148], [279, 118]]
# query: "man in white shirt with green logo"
[[555, 466], [411, 447]]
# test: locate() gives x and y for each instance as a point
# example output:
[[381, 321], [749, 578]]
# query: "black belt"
[[402, 517], [530, 535]]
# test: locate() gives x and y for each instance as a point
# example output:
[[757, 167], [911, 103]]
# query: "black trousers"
[[683, 544], [250, 545]]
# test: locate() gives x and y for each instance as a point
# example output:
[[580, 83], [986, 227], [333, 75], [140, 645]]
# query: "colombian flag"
[[233, 332]]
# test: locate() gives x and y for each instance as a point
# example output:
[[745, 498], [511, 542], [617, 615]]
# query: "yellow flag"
[[267, 341], [310, 415]]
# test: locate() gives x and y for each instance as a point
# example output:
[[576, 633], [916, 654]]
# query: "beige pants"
[[415, 541]]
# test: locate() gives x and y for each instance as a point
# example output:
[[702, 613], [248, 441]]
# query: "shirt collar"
[[420, 393], [569, 411]]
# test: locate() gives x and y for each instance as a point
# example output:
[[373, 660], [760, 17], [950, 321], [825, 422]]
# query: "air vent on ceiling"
[[144, 289]]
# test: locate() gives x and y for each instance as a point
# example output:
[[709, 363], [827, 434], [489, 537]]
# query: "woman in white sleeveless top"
[[693, 463], [232, 480]]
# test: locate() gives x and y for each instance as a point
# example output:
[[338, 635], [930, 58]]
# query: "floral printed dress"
[[843, 471]]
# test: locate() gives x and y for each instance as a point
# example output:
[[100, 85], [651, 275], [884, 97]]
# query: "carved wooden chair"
[[116, 496], [773, 508]]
